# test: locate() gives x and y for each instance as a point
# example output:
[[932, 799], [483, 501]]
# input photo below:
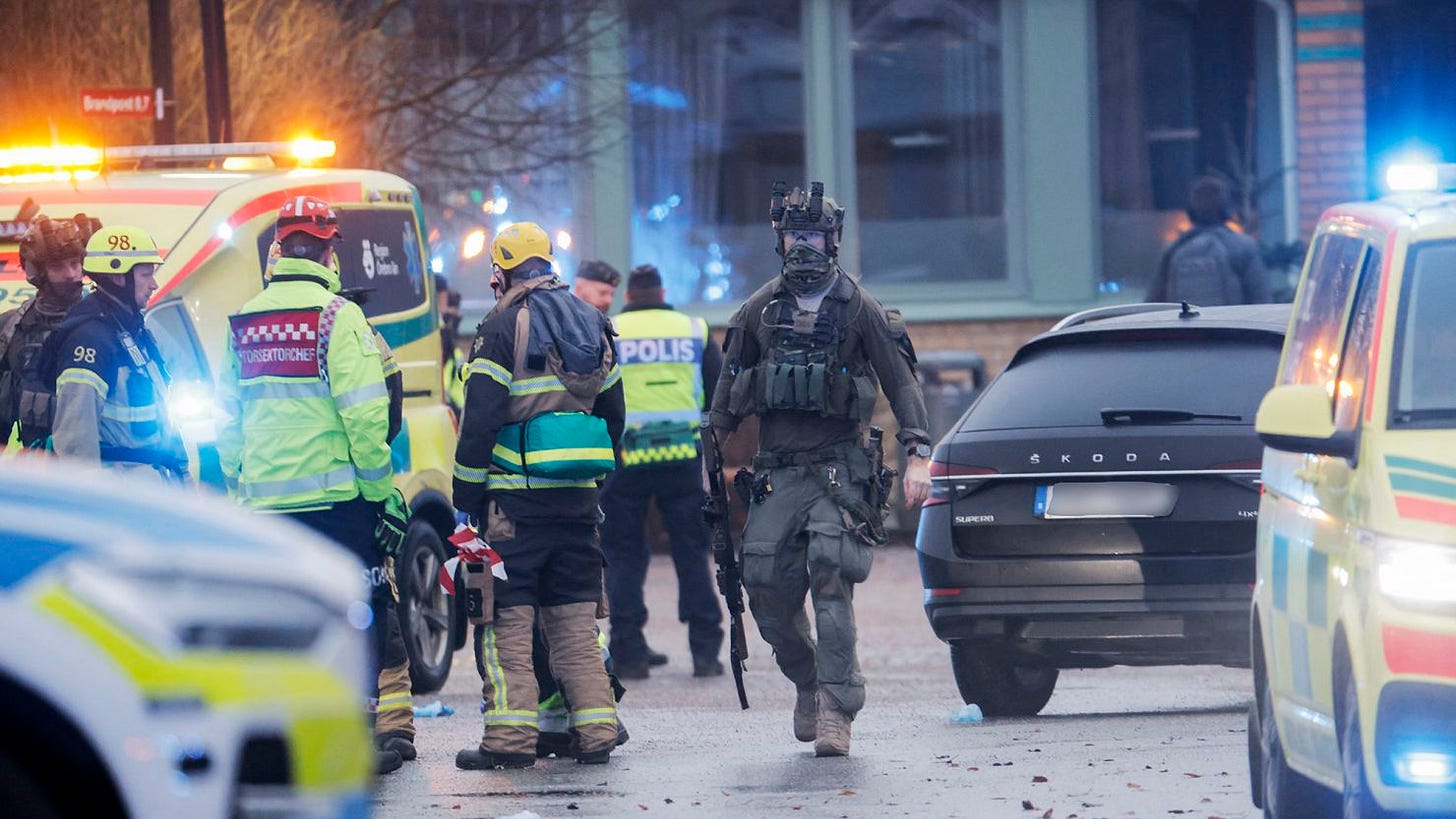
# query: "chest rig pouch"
[[24, 391], [801, 368]]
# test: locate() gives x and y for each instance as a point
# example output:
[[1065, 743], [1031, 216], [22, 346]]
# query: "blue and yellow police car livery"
[[167, 655]]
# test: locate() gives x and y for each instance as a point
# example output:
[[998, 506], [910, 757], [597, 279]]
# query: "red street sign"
[[119, 102]]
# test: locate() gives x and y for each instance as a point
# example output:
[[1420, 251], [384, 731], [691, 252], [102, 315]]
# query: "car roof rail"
[[1115, 310]]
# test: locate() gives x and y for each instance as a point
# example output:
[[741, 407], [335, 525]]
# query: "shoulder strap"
[[326, 331], [522, 341]]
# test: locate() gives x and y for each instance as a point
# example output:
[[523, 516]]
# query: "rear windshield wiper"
[[1161, 416]]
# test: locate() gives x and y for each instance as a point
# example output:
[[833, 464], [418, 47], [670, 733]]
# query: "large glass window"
[[716, 92], [928, 140], [1177, 84]]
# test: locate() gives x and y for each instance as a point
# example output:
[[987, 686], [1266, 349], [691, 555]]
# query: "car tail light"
[[1253, 481], [946, 477]]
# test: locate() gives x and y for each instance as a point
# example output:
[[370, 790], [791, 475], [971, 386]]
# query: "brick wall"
[[1330, 72], [996, 341]]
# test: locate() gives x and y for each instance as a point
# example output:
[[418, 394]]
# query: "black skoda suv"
[[1096, 505]]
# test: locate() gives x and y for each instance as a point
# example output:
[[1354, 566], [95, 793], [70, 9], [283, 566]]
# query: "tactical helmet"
[[797, 210], [307, 214], [53, 240], [114, 251], [519, 242], [806, 269]]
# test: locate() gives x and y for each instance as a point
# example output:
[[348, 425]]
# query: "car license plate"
[[1132, 499]]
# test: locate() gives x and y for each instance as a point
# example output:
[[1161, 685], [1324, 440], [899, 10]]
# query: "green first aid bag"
[[563, 445]]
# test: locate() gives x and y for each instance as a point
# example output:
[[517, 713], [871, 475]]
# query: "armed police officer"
[[543, 416], [109, 379], [807, 354], [50, 255]]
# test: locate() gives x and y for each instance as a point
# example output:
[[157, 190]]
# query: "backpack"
[[1201, 270]]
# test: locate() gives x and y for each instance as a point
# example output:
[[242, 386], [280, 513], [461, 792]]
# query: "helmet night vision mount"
[[797, 210]]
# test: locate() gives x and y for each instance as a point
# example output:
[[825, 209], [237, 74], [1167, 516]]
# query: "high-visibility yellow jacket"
[[305, 406], [661, 352]]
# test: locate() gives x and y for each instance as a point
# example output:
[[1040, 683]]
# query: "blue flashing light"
[[1412, 176]]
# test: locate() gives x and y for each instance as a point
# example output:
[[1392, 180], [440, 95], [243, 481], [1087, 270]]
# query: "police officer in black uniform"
[[808, 354]]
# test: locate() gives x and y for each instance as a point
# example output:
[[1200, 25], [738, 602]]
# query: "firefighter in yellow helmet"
[[543, 416], [110, 380]]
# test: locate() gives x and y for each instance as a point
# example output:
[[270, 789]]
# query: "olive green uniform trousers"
[[798, 541]]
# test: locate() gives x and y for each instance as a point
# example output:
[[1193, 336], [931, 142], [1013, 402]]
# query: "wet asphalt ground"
[[1122, 742]]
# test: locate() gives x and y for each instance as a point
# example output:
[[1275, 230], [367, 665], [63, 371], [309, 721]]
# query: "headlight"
[[176, 611], [1415, 572], [192, 406]]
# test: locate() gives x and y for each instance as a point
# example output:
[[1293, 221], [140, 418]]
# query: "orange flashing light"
[[307, 149], [57, 157]]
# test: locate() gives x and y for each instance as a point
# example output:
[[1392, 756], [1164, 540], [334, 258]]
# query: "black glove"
[[393, 521]]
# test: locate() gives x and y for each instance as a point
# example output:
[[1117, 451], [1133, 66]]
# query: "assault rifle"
[[716, 511]]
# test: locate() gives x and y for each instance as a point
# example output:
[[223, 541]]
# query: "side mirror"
[[1300, 418]]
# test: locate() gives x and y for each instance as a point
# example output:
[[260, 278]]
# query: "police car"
[[211, 209], [167, 655], [1354, 608]]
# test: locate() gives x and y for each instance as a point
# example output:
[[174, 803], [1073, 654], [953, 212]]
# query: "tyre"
[[21, 794], [988, 676], [1356, 801], [1287, 794], [426, 615]]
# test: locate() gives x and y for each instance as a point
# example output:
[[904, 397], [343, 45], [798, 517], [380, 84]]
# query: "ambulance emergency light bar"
[[1409, 177], [300, 150], [75, 157]]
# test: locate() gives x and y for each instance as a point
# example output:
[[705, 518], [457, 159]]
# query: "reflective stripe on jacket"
[[661, 356], [301, 430], [110, 389]]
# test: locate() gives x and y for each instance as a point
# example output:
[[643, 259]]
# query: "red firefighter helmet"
[[307, 214]]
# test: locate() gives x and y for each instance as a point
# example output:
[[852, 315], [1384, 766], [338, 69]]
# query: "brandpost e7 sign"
[[121, 102]]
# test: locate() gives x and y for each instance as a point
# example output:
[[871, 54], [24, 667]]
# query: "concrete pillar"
[[1059, 159], [607, 188], [829, 113]]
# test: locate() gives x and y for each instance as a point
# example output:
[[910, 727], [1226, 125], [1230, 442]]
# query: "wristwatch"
[[920, 450]]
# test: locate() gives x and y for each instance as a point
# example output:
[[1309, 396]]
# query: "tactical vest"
[[551, 439], [800, 367], [25, 397], [661, 355]]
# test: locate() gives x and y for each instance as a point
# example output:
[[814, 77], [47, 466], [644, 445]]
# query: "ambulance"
[[211, 209], [1354, 609]]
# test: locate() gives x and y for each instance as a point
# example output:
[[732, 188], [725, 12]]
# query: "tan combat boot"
[[831, 730], [806, 714]]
